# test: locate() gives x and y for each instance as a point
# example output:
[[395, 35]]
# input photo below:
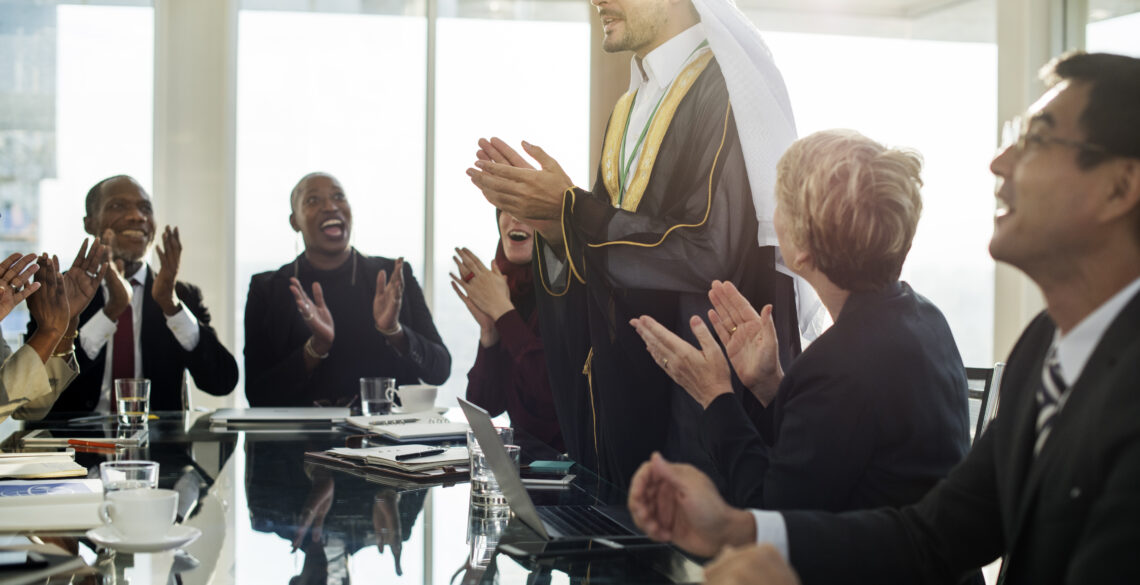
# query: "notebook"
[[390, 456], [410, 427]]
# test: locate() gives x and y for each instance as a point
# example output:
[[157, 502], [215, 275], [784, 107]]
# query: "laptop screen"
[[501, 466]]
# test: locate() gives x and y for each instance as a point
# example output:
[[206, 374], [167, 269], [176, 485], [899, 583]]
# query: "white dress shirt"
[[99, 330], [661, 66], [1073, 352]]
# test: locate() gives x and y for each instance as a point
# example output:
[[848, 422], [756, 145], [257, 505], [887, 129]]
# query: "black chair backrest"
[[986, 397]]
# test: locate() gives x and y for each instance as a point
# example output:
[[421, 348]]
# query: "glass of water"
[[132, 398], [376, 395], [485, 490], [128, 475]]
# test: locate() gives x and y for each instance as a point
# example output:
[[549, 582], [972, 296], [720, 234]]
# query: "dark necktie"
[[1050, 397], [123, 350]]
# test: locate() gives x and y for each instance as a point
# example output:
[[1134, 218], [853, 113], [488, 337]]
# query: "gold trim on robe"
[[611, 153]]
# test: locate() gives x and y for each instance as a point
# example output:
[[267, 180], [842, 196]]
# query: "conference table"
[[269, 515]]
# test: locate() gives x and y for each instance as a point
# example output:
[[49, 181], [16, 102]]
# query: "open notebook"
[[410, 427]]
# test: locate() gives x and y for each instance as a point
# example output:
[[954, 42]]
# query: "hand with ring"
[[484, 291], [315, 314], [703, 372], [87, 270], [749, 340], [15, 272]]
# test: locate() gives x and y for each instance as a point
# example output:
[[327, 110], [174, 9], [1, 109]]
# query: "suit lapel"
[[1120, 337]]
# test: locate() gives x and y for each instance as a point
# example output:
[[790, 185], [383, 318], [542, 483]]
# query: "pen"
[[419, 454], [82, 443]]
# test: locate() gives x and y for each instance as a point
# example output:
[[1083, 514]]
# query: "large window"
[[927, 83], [76, 85], [75, 107], [336, 92], [1114, 27], [539, 94]]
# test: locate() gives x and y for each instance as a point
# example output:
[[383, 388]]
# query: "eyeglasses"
[[1018, 134]]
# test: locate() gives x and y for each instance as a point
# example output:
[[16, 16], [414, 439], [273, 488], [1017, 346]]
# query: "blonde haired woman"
[[874, 412]]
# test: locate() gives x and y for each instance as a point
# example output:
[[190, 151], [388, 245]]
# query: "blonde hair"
[[853, 204]]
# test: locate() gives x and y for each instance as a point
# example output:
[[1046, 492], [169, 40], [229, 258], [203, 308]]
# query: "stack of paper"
[[58, 504], [390, 456], [410, 427], [40, 465]]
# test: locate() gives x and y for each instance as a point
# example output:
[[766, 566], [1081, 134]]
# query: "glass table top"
[[267, 515]]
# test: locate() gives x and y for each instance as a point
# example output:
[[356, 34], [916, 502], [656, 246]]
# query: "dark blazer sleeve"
[[823, 442], [271, 379], [210, 364], [425, 347]]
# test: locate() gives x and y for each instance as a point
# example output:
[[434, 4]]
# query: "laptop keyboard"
[[572, 521]]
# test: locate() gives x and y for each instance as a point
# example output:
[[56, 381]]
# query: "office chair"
[[983, 384]]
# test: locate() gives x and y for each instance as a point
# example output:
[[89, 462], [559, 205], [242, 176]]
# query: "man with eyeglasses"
[[1053, 485]]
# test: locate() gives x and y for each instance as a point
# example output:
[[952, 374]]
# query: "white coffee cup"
[[415, 397], [140, 514]]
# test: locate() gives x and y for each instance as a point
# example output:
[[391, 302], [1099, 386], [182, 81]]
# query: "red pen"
[[81, 443]]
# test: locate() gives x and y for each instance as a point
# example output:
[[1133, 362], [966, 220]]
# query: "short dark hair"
[[93, 194], [1112, 116]]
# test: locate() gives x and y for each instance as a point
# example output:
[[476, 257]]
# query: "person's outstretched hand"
[[15, 272], [389, 298], [527, 193], [483, 291], [87, 270], [749, 339], [316, 315], [703, 373]]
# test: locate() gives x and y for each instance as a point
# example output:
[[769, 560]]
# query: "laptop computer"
[[283, 415], [588, 528]]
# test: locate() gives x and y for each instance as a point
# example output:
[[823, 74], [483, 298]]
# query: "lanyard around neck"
[[624, 164]]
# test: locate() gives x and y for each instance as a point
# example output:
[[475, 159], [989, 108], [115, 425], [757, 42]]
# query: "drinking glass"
[[127, 475], [485, 490], [132, 398], [376, 395]]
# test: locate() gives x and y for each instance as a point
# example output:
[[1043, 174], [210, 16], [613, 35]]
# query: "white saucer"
[[108, 537]]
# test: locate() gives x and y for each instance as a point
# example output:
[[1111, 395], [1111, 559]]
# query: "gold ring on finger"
[[733, 330], [665, 363]]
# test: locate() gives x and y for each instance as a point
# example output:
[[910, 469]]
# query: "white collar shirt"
[[661, 66], [99, 330], [1075, 347]]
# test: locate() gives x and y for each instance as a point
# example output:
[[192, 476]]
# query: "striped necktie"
[[1050, 398]]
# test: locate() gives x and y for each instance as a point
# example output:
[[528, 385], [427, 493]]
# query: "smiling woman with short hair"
[[318, 324]]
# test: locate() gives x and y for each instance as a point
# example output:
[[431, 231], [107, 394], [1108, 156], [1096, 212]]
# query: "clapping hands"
[[483, 291], [15, 272]]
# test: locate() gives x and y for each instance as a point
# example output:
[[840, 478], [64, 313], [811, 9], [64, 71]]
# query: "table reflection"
[[269, 516]]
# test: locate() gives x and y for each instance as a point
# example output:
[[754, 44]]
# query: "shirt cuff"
[[770, 529], [185, 328], [95, 333]]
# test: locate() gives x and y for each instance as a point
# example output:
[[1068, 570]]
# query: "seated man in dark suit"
[[141, 324], [1053, 485]]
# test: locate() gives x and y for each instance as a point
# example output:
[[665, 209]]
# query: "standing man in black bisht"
[[672, 209]]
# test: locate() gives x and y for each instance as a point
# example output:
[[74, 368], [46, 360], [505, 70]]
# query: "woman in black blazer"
[[874, 412]]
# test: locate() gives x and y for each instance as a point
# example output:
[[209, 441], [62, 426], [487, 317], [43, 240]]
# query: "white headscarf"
[[766, 126]]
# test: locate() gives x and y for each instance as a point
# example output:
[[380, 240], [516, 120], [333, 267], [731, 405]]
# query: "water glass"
[[132, 398], [485, 490], [376, 395], [127, 475]]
